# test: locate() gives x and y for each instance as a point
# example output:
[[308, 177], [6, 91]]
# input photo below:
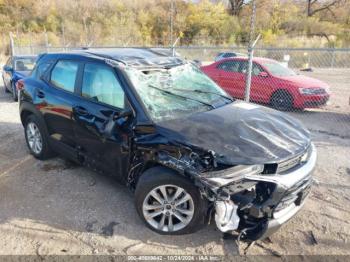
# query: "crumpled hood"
[[240, 133]]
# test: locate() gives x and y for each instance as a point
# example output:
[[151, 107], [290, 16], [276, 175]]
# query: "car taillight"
[[20, 84]]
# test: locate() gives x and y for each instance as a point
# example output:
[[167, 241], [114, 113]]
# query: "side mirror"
[[263, 74], [115, 121], [123, 114], [8, 68]]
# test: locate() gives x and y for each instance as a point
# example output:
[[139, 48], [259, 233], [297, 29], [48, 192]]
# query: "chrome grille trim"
[[293, 162]]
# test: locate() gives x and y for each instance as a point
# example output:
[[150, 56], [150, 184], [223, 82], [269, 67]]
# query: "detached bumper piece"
[[226, 217]]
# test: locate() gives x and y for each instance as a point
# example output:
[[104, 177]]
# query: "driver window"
[[100, 84], [256, 69]]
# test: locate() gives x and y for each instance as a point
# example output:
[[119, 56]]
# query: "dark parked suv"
[[184, 146]]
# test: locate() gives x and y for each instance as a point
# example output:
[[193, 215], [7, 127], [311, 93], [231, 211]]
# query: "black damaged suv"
[[163, 128]]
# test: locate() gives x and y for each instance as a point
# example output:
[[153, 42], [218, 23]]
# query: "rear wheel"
[[282, 100], [169, 203], [36, 138]]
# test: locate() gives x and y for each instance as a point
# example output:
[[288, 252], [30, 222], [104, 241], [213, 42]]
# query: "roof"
[[255, 59], [136, 57]]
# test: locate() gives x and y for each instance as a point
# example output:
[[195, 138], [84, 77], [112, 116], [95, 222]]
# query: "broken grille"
[[293, 162]]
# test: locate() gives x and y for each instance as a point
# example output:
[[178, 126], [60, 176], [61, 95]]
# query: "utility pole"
[[251, 45]]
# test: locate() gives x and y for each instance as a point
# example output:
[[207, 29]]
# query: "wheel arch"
[[27, 109], [149, 165], [282, 90]]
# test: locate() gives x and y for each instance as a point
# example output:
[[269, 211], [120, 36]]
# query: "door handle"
[[81, 111], [41, 94]]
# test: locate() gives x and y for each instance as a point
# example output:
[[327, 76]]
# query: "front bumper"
[[309, 101], [290, 191], [296, 186], [280, 218]]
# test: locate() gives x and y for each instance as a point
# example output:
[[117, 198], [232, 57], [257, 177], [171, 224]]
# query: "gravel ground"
[[54, 207]]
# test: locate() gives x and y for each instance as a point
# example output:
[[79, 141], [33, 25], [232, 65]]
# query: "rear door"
[[101, 98], [231, 78]]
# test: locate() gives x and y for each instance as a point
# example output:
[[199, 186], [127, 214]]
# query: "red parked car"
[[272, 83]]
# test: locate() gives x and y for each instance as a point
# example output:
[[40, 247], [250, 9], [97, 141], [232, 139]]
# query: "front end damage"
[[258, 202], [251, 200]]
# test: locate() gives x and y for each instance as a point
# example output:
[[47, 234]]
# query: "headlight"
[[233, 174], [311, 91]]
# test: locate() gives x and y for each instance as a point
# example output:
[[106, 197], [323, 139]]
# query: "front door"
[[102, 97], [231, 78], [261, 85]]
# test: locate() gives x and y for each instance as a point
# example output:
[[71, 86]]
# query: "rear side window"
[[230, 66], [64, 74], [100, 84]]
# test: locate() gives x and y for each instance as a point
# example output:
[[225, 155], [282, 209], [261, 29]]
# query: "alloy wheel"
[[168, 208], [34, 138]]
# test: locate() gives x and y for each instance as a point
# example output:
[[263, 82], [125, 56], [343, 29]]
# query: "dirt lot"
[[54, 207]]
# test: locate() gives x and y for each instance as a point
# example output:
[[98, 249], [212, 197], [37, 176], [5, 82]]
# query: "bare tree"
[[315, 6], [235, 6]]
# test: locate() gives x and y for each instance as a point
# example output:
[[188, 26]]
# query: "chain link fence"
[[294, 57], [318, 94]]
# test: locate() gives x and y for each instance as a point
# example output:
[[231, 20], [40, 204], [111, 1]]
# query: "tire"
[[5, 88], [14, 91], [158, 178], [32, 123], [282, 100]]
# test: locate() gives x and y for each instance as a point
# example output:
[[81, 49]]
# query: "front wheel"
[[169, 203], [282, 100]]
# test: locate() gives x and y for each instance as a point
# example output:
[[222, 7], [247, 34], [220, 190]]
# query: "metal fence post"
[[333, 58], [250, 52]]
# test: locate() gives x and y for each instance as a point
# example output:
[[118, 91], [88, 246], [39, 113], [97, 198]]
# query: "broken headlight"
[[233, 174]]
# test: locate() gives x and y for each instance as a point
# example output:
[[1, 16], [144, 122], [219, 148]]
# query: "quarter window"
[[64, 74], [100, 84], [40, 69]]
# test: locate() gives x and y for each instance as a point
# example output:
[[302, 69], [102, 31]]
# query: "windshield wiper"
[[204, 92], [183, 97]]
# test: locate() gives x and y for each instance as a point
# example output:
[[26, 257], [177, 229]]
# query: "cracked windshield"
[[176, 92]]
